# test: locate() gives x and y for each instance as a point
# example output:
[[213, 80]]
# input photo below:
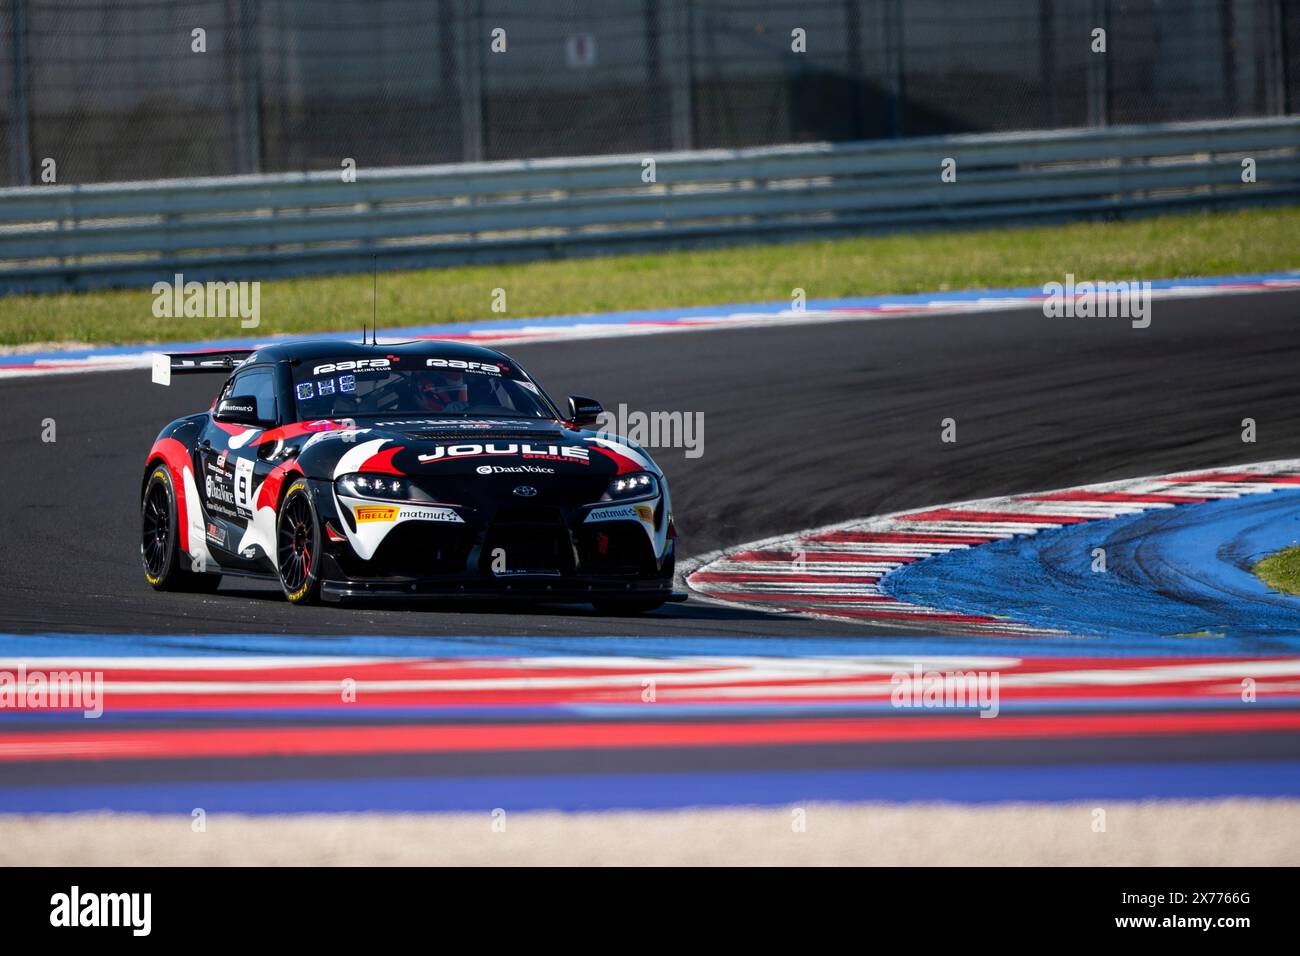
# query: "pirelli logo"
[[374, 513]]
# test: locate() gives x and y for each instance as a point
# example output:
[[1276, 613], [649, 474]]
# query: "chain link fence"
[[108, 90]]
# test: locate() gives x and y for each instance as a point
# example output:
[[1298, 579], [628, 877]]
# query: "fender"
[[174, 448], [184, 430]]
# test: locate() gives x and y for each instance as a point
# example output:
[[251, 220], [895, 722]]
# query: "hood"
[[477, 462], [451, 430], [443, 447], [434, 447]]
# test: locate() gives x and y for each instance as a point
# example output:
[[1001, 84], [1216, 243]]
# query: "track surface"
[[802, 427]]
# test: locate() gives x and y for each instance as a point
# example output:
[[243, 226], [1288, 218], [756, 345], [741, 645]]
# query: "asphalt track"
[[802, 427]]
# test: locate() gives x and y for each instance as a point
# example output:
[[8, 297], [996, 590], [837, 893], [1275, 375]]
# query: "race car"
[[426, 469]]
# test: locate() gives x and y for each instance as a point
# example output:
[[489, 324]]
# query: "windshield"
[[347, 388]]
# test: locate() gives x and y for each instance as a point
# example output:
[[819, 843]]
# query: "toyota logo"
[[525, 491]]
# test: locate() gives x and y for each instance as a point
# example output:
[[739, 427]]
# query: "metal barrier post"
[[20, 129]]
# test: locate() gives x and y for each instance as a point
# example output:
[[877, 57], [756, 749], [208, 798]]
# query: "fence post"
[[1099, 68], [242, 81], [1228, 56], [1275, 81], [1047, 60], [243, 109], [469, 78], [853, 65], [894, 75], [251, 82], [20, 125], [678, 57]]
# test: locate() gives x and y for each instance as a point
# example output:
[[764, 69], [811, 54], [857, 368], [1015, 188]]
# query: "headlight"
[[639, 484], [392, 487]]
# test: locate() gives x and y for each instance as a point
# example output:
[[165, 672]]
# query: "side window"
[[501, 396], [260, 384]]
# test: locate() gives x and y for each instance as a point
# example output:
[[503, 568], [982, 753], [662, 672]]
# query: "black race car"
[[429, 469]]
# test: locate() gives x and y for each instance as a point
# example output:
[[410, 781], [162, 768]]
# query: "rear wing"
[[166, 364]]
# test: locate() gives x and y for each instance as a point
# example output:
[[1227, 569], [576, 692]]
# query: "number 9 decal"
[[244, 485]]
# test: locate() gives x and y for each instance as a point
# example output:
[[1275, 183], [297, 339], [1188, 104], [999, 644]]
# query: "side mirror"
[[584, 411], [240, 410]]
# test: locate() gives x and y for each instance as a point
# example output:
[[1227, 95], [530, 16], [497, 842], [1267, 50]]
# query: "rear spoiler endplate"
[[167, 364]]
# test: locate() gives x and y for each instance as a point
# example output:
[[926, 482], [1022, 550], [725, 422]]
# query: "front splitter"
[[540, 589]]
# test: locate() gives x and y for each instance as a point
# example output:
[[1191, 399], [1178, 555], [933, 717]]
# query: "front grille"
[[527, 539], [528, 516], [422, 548]]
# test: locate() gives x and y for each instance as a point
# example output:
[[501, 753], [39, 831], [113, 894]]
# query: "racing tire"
[[623, 607], [160, 551], [298, 545]]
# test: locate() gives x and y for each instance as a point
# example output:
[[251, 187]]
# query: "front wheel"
[[619, 607], [160, 550], [298, 546]]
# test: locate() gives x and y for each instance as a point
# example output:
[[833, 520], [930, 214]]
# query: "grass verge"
[[1196, 244], [1281, 570]]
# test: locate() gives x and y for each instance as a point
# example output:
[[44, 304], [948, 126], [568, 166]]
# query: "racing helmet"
[[436, 389]]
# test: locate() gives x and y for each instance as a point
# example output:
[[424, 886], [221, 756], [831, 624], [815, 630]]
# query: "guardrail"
[[135, 234]]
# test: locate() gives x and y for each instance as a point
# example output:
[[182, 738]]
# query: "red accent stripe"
[[1239, 476], [1000, 517], [268, 493], [916, 616], [742, 577], [297, 430], [625, 465], [794, 599], [821, 689], [849, 557], [897, 537], [52, 365], [383, 462], [602, 685], [1115, 496], [249, 742]]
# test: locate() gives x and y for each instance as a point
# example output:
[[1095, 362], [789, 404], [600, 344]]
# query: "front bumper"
[[545, 553]]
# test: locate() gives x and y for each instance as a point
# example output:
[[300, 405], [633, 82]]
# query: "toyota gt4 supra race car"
[[426, 469]]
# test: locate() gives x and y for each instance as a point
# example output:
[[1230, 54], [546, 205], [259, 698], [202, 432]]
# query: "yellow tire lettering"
[[306, 585], [161, 473]]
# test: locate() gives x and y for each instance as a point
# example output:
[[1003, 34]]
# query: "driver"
[[438, 391]]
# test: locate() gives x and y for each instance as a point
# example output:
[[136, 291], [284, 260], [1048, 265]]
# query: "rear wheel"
[[626, 606], [160, 550], [298, 546]]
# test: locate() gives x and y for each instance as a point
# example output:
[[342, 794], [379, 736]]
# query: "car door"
[[231, 465]]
